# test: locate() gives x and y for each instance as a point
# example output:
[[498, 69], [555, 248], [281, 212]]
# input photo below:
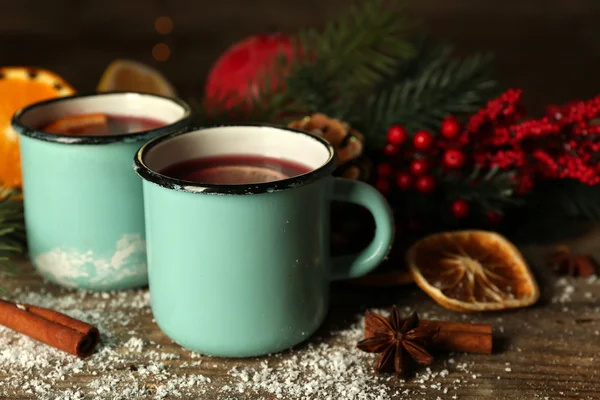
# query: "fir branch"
[[566, 199], [329, 71], [343, 63], [362, 48], [445, 86], [491, 190], [12, 229]]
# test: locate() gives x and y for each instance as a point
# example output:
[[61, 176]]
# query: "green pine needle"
[[351, 57], [362, 47], [565, 199], [491, 189], [12, 229], [428, 93], [331, 68]]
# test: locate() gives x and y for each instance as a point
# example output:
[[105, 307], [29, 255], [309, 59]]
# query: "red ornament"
[[384, 170], [460, 208], [494, 218], [419, 167], [423, 140], [450, 127], [454, 158], [425, 184], [236, 75], [397, 135], [383, 186], [404, 181], [390, 149]]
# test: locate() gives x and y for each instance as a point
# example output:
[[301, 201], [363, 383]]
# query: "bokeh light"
[[161, 52], [163, 25]]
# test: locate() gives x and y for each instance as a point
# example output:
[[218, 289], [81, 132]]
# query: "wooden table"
[[549, 351]]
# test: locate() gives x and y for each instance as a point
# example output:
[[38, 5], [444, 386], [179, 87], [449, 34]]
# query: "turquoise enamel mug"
[[83, 204], [241, 270]]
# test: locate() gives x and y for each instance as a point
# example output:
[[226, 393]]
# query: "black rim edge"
[[21, 129], [192, 187]]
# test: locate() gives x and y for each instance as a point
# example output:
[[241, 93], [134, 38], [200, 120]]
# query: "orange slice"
[[472, 271], [129, 75], [85, 124], [20, 87], [236, 175]]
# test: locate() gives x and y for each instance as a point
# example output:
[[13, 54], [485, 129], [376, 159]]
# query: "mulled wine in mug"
[[83, 203], [237, 226]]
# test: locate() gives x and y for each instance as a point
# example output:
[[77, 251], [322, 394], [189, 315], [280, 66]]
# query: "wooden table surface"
[[549, 351]]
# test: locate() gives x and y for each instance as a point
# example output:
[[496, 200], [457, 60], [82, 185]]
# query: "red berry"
[[397, 135], [425, 184], [422, 140], [383, 186], [460, 208], [390, 149], [384, 170], [454, 158], [419, 167], [450, 127], [494, 218], [404, 180]]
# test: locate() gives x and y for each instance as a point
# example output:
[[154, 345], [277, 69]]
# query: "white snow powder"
[[69, 266], [128, 364]]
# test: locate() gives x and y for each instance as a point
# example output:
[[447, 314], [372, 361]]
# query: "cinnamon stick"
[[458, 337], [50, 327]]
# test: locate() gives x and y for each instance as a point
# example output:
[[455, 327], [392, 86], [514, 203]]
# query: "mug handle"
[[354, 265]]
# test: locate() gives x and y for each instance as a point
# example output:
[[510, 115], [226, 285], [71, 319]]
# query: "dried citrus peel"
[[472, 271], [130, 75], [236, 175], [84, 124]]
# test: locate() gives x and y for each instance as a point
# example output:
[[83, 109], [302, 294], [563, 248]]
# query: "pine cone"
[[348, 143]]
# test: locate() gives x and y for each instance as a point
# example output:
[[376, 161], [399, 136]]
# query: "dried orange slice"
[[129, 75], [20, 87], [472, 271], [236, 175], [85, 124]]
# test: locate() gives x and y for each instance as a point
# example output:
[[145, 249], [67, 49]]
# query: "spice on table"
[[418, 337], [563, 260], [398, 341], [50, 327]]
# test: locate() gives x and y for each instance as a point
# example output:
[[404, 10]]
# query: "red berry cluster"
[[413, 163], [394, 169], [561, 145]]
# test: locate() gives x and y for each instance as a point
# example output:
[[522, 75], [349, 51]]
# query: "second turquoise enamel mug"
[[239, 270], [83, 204]]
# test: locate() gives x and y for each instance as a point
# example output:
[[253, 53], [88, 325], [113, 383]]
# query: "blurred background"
[[550, 48]]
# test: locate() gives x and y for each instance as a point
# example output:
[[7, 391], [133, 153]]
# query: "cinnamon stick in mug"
[[50, 327]]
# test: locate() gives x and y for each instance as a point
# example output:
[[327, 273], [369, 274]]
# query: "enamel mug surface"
[[83, 203], [244, 270]]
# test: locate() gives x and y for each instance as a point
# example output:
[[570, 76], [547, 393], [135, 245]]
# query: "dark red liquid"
[[101, 125], [235, 169]]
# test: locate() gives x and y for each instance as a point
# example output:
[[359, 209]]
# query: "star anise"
[[399, 341], [565, 261]]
